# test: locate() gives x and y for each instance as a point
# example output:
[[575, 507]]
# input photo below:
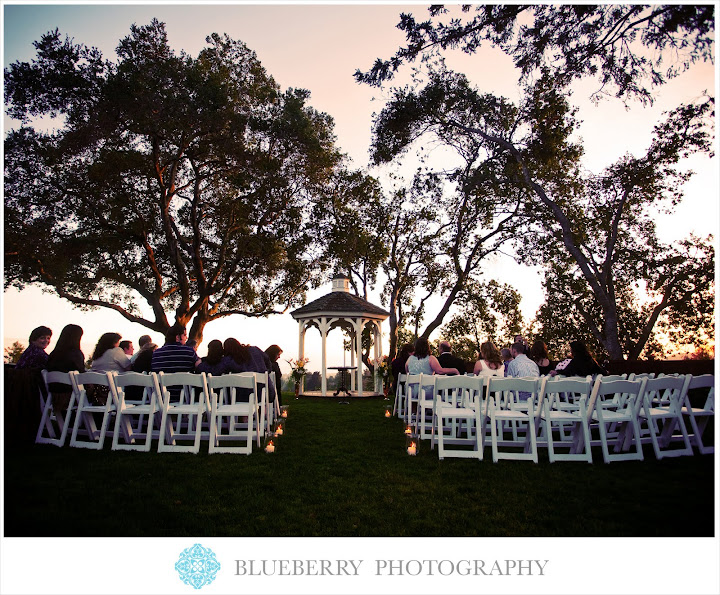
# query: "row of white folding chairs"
[[177, 409], [622, 414]]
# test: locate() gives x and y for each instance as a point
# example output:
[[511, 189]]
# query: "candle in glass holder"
[[387, 413], [283, 414], [408, 431], [270, 447], [412, 449], [279, 431]]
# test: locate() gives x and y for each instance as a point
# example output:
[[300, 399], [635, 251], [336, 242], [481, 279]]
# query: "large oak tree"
[[166, 182]]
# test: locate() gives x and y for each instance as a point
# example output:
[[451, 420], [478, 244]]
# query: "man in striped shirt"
[[175, 356]]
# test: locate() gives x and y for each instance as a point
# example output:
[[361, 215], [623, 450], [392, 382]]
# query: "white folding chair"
[[425, 403], [135, 418], [661, 412], [516, 414], [412, 391], [699, 416], [565, 403], [185, 401], [458, 417], [263, 400], [400, 396], [87, 411], [54, 424], [614, 403], [229, 408]]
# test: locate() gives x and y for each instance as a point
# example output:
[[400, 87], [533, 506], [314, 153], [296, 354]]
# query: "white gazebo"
[[340, 308]]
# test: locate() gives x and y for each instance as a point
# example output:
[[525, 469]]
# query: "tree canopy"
[[630, 48], [594, 233], [167, 182]]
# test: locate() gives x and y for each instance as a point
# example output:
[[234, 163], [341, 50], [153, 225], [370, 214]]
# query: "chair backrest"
[[624, 393], [705, 381], [179, 386], [459, 391], [82, 379], [667, 390], [505, 390], [59, 378], [559, 391], [148, 382], [227, 383]]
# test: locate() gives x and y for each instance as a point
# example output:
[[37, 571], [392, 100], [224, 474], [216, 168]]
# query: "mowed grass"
[[342, 470]]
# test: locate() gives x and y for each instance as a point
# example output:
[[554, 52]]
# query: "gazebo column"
[[358, 326], [323, 325], [301, 349], [377, 349]]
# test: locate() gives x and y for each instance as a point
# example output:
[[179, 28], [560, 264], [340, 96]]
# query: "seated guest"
[[35, 356], [581, 364], [245, 358], [448, 360], [506, 355], [397, 366], [107, 357], [142, 361], [521, 365], [539, 354], [175, 356], [273, 352], [142, 341], [423, 362], [127, 348], [490, 362], [66, 357], [211, 363]]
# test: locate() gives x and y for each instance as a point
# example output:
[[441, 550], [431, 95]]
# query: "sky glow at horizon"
[[318, 47]]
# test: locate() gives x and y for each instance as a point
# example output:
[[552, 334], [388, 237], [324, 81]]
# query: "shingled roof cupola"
[[340, 308]]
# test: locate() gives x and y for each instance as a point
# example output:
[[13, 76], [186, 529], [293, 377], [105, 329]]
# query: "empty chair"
[[54, 422], [136, 418], [458, 417], [424, 403], [412, 392], [185, 401], [614, 403], [234, 413], [699, 416], [96, 398], [512, 410], [565, 403]]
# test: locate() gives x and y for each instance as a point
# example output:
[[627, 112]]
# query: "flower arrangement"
[[382, 366], [298, 369]]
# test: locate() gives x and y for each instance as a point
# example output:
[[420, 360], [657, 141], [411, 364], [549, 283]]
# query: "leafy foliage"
[[172, 183], [12, 354], [629, 48], [594, 234]]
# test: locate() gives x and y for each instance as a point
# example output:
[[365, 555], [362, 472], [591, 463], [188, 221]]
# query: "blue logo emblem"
[[197, 566]]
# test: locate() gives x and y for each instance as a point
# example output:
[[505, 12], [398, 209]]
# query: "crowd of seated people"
[[517, 360], [112, 354]]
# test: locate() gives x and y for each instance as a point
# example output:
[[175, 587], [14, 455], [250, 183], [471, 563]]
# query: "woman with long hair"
[[582, 362], [65, 357], [539, 354], [490, 362], [211, 363], [108, 356], [273, 353]]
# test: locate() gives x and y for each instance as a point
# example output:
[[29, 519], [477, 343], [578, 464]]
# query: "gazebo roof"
[[339, 302]]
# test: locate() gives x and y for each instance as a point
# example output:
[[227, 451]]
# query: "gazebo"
[[340, 308]]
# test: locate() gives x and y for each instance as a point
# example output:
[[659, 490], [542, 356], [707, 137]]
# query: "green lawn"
[[342, 470]]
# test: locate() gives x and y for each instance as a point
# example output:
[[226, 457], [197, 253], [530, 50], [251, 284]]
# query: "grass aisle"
[[342, 470]]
